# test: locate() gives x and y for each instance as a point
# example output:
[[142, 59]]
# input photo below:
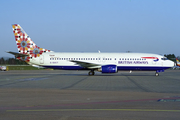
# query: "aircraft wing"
[[86, 64], [17, 54]]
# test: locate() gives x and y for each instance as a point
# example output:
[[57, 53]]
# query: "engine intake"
[[108, 69]]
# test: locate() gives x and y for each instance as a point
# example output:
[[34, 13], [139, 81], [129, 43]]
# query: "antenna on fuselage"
[[99, 51]]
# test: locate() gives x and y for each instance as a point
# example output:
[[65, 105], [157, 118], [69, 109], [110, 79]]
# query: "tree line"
[[13, 61], [172, 57]]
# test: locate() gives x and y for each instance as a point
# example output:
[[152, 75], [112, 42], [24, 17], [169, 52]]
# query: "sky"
[[139, 26]]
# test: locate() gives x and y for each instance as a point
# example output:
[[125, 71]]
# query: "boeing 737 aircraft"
[[177, 64], [29, 52]]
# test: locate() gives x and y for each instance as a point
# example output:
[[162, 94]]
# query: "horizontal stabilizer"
[[17, 54]]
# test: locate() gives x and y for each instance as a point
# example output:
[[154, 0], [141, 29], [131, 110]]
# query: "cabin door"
[[41, 59]]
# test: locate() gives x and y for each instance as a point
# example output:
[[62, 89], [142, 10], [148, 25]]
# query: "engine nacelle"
[[108, 69]]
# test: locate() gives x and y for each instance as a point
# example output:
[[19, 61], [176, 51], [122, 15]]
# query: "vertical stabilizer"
[[177, 62], [25, 45]]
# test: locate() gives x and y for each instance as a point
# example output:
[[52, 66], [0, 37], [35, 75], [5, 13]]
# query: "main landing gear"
[[91, 73]]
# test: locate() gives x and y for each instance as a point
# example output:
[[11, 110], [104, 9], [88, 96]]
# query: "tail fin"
[[177, 62], [25, 45]]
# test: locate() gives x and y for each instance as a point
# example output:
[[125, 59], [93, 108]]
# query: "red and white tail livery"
[[25, 45]]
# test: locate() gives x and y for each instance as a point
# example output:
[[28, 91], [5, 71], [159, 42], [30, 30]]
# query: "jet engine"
[[108, 69]]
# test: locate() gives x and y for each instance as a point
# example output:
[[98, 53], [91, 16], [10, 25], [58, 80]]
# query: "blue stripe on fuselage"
[[141, 68], [67, 67], [118, 68]]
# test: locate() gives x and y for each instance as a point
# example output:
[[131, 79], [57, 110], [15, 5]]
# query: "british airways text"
[[132, 62]]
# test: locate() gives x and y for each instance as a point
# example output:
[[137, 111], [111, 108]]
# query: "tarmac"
[[73, 95]]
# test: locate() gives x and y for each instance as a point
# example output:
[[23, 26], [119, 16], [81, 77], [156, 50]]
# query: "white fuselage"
[[123, 61]]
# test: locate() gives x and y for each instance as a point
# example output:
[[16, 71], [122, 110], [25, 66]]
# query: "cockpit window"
[[164, 59]]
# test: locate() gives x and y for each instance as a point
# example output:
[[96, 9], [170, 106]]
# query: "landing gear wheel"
[[91, 73], [156, 74]]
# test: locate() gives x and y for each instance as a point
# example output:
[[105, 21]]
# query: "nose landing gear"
[[156, 74]]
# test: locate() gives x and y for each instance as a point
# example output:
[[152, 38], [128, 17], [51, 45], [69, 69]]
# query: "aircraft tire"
[[91, 73], [156, 74]]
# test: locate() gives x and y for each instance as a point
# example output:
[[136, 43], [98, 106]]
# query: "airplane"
[[29, 52], [177, 64]]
